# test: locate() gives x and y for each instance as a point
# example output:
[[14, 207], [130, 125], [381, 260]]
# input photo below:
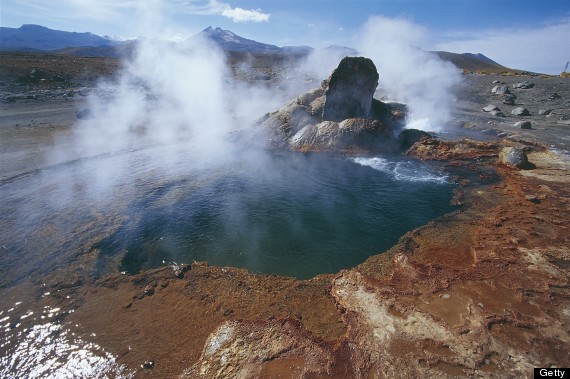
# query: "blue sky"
[[532, 34]]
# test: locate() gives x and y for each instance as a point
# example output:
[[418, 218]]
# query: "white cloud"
[[543, 48], [214, 7]]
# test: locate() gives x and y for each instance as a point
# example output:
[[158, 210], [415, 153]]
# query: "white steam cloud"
[[184, 95], [409, 74]]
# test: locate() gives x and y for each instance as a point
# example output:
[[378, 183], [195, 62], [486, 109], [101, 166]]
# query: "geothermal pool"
[[290, 214]]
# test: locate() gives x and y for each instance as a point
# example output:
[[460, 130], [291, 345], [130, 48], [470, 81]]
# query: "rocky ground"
[[482, 292]]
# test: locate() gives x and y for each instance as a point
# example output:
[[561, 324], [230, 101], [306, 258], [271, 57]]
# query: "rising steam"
[[409, 74]]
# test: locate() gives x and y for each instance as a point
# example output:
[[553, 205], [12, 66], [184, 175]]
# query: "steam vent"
[[341, 116]]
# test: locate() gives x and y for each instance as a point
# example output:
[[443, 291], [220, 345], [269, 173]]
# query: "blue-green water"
[[289, 214]]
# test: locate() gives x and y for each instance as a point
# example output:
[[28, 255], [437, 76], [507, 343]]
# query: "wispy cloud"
[[540, 48], [214, 7]]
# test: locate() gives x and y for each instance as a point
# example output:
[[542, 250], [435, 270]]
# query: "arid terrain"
[[481, 292]]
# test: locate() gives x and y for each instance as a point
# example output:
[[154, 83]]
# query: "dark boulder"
[[408, 137], [349, 89], [523, 125]]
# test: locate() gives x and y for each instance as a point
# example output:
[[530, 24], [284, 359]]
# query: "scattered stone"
[[533, 198], [497, 113], [508, 99], [497, 82], [523, 85], [545, 112], [515, 157], [179, 270], [490, 108], [520, 111], [349, 89], [149, 290], [148, 365], [500, 90], [523, 124], [554, 96], [489, 132]]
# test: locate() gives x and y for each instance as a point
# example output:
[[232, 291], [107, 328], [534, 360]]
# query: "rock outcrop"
[[349, 90], [341, 116]]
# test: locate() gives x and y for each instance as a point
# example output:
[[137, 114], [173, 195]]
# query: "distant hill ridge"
[[39, 38], [31, 37]]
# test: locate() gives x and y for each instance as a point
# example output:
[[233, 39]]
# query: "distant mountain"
[[39, 38], [473, 62], [230, 41], [481, 57], [36, 37]]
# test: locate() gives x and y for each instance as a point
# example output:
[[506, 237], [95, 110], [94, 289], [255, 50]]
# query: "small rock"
[[520, 111], [496, 82], [523, 85], [523, 124], [497, 113], [545, 112], [508, 101], [490, 108], [179, 274], [149, 290], [128, 305], [554, 96], [533, 198], [500, 90], [148, 365]]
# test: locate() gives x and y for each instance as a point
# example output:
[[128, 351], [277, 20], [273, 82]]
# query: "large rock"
[[515, 157], [349, 89], [341, 116]]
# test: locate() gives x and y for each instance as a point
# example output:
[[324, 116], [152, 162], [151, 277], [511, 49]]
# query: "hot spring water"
[[290, 214], [296, 215]]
